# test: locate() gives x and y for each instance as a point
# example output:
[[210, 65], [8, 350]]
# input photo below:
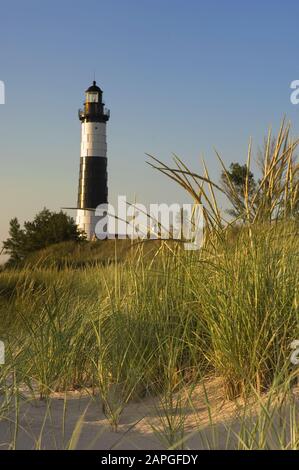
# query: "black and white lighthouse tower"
[[93, 189]]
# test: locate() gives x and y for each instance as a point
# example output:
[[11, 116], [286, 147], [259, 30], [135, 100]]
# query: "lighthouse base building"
[[93, 187]]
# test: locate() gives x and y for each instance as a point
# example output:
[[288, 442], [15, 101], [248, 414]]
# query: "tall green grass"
[[158, 322]]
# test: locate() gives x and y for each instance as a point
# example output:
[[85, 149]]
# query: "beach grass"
[[158, 320]]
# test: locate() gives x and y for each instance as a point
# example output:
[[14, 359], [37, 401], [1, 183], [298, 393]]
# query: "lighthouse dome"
[[94, 88]]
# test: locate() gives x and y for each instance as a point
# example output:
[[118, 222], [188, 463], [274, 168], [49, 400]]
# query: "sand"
[[76, 421]]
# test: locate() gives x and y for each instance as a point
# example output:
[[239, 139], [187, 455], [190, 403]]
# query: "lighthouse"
[[93, 187]]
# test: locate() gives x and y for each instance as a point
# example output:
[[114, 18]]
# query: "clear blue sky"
[[179, 76]]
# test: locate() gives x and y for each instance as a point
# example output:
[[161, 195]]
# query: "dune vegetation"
[[124, 321]]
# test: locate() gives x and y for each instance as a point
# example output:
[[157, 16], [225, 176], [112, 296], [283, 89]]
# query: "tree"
[[46, 229], [234, 182], [15, 245]]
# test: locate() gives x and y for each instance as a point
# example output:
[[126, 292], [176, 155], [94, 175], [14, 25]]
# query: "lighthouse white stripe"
[[93, 139], [87, 220]]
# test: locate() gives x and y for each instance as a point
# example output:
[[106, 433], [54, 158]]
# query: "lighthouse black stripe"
[[93, 188]]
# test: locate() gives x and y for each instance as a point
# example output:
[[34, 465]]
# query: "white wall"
[[93, 139]]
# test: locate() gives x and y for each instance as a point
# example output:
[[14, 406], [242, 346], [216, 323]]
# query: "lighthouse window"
[[92, 97]]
